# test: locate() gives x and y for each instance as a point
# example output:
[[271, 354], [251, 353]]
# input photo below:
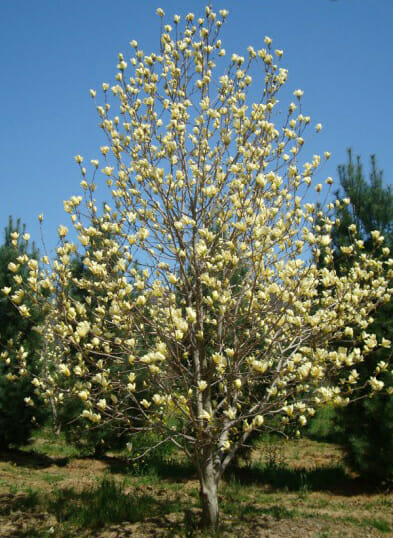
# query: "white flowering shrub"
[[204, 186]]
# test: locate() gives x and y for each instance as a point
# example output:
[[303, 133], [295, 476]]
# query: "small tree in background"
[[16, 418], [367, 425], [111, 435], [104, 436], [203, 182]]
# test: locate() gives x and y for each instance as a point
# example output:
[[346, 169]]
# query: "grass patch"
[[46, 442], [244, 502], [53, 478], [94, 507], [105, 504], [379, 524], [23, 502], [276, 511]]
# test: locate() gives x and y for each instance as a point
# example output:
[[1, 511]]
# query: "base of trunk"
[[209, 499]]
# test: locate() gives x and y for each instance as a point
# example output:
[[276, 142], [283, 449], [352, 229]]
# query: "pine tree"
[[367, 424], [17, 409]]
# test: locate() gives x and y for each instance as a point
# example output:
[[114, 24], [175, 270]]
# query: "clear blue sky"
[[53, 51]]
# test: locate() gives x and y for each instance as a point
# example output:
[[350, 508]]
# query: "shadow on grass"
[[329, 478], [31, 459], [95, 507], [106, 504], [23, 502], [246, 511], [278, 477]]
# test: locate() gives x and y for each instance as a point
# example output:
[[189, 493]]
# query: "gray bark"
[[208, 479]]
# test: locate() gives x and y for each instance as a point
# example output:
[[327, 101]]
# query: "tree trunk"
[[208, 479], [56, 425]]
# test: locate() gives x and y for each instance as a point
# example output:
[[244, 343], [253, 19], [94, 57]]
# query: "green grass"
[[105, 504], [379, 524], [94, 507], [239, 501], [276, 511], [384, 502], [25, 502], [53, 478], [46, 442]]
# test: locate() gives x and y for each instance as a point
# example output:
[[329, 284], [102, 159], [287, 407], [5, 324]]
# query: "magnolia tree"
[[224, 326]]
